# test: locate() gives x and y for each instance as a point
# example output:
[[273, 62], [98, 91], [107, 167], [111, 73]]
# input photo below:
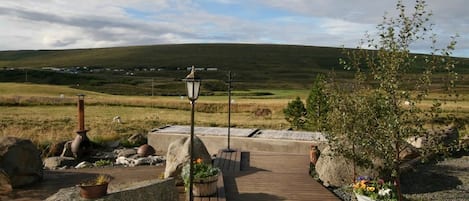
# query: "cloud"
[[29, 24]]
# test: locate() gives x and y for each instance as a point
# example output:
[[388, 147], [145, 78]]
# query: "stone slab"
[[157, 190], [206, 131], [290, 135]]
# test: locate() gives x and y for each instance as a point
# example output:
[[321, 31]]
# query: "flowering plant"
[[376, 189], [201, 171]]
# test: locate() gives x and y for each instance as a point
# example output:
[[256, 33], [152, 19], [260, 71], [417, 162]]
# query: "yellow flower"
[[371, 188], [199, 161]]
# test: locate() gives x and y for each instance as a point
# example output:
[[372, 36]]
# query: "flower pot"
[[205, 186], [93, 191], [363, 197]]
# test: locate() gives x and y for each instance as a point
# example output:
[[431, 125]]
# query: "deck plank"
[[270, 177], [275, 177]]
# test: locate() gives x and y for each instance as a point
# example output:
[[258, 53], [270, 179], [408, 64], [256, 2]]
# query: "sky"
[[66, 24]]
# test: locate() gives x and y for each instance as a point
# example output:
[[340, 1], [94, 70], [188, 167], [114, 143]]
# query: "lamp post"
[[193, 88], [228, 149]]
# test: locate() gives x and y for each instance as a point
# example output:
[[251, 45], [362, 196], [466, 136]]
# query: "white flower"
[[384, 192]]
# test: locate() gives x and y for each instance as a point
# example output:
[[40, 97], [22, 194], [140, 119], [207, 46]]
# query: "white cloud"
[[30, 24]]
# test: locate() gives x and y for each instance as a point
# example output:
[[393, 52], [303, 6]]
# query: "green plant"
[[372, 117], [317, 105], [99, 180], [102, 163], [295, 113], [376, 189], [201, 170]]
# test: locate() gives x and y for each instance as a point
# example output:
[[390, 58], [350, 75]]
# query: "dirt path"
[[57, 179]]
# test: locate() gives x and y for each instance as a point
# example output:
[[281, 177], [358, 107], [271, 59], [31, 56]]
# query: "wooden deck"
[[228, 162], [276, 177], [270, 177]]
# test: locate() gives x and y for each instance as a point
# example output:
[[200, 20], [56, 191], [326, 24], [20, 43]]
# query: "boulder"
[[417, 142], [55, 162], [137, 139], [448, 136], [334, 170], [434, 138], [56, 149], [145, 150], [178, 155], [156, 190], [409, 152], [5, 183], [21, 161], [125, 152]]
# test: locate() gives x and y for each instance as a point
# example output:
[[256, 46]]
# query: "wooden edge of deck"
[[221, 188]]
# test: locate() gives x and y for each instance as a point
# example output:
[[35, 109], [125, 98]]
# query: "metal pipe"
[[81, 112]]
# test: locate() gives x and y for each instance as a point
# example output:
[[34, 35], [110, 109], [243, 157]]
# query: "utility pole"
[[228, 149]]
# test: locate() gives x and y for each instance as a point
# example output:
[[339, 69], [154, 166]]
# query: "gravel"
[[446, 180]]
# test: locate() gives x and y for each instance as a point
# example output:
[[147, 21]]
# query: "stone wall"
[[157, 190]]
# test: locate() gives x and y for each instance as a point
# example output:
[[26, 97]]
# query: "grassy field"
[[266, 77], [40, 113]]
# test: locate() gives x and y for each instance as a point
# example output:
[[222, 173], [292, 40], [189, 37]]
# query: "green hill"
[[130, 70]]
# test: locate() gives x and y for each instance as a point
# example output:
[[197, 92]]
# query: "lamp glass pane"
[[189, 89], [196, 89]]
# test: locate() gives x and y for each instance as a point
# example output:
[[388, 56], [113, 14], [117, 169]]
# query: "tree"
[[373, 117], [295, 113], [317, 104]]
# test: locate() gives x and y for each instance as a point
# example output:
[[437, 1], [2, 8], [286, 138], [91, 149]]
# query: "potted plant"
[[95, 188], [205, 178], [368, 189]]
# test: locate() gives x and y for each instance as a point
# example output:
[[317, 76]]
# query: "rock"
[[178, 155], [84, 164], [125, 152], [448, 136], [55, 162], [5, 184], [157, 190], [21, 161], [137, 139], [131, 162], [417, 142], [409, 152], [56, 149], [113, 144], [149, 160], [67, 150], [145, 150], [121, 160], [336, 171], [435, 139]]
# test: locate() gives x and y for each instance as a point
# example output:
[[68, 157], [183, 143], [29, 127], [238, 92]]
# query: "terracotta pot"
[[314, 154], [93, 191]]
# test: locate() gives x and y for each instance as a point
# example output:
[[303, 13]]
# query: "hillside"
[[130, 70]]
